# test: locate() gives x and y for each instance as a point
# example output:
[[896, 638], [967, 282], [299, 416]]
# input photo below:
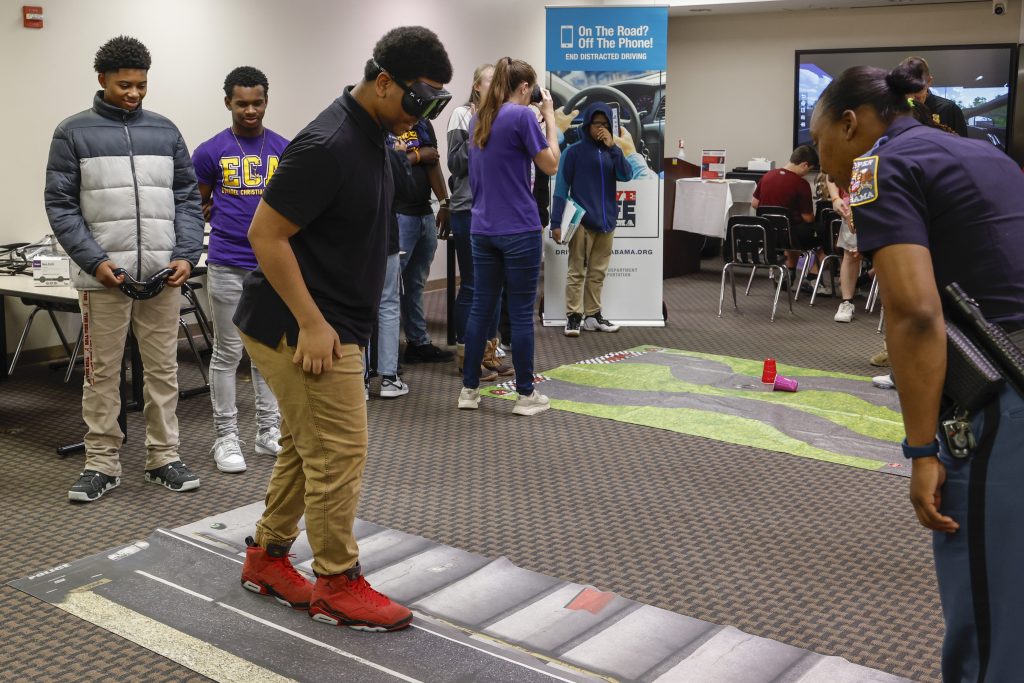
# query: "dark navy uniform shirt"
[[962, 199]]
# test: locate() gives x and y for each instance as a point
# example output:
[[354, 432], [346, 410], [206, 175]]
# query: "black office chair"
[[751, 242], [50, 307], [820, 206], [789, 241], [192, 307], [830, 222]]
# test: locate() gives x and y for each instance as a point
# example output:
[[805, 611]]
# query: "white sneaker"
[[532, 404], [393, 388], [597, 322], [469, 399], [267, 441], [883, 382], [227, 453], [845, 312]]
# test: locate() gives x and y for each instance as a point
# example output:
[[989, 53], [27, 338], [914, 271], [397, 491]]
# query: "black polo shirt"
[[947, 113], [336, 184]]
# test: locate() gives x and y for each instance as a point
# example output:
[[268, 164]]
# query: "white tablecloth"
[[704, 206]]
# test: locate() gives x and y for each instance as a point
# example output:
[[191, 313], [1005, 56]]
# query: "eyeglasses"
[[420, 99]]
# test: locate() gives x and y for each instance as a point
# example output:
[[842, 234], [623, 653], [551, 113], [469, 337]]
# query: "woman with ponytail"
[[931, 209], [505, 142]]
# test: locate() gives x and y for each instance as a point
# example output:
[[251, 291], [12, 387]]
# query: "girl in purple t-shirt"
[[505, 142]]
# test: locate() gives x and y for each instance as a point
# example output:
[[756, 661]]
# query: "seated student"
[[786, 187]]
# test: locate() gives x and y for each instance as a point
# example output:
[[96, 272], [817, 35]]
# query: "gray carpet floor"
[[816, 555]]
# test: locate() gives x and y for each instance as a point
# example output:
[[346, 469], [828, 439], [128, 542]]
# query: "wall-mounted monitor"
[[980, 79]]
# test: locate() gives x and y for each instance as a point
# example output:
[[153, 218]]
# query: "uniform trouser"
[[589, 255], [319, 470], [981, 567], [106, 315], [224, 284]]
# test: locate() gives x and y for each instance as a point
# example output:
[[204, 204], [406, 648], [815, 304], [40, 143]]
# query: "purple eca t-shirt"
[[238, 169], [499, 174]]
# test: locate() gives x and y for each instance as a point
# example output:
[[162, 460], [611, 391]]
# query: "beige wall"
[[309, 49], [731, 80]]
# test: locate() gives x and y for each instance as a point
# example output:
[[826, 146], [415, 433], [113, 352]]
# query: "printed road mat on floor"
[[833, 416], [477, 619]]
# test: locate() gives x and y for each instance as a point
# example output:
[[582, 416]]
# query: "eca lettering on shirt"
[[411, 139], [246, 175]]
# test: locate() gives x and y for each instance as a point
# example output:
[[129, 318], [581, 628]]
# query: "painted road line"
[[173, 585], [318, 643], [200, 546], [194, 653]]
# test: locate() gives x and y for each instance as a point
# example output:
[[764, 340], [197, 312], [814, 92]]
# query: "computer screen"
[[978, 78]]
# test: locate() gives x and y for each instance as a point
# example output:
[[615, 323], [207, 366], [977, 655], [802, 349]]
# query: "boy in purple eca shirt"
[[233, 168]]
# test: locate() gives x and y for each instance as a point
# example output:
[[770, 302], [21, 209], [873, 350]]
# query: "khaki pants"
[[319, 471], [106, 314], [590, 251]]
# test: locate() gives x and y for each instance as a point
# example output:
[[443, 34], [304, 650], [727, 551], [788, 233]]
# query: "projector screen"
[[978, 78]]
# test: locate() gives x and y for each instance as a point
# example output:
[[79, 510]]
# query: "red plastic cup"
[[785, 384], [768, 373]]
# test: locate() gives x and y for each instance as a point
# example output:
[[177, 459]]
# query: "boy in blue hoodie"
[[587, 174]]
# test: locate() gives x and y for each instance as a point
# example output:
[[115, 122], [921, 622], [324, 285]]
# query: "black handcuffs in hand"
[[144, 289]]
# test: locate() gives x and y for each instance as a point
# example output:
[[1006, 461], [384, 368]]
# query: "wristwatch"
[[926, 451], [443, 203]]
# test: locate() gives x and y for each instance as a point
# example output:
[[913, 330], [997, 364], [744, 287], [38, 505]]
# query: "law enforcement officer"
[[933, 208]]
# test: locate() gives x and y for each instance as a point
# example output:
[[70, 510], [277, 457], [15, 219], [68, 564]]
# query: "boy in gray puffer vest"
[[121, 194]]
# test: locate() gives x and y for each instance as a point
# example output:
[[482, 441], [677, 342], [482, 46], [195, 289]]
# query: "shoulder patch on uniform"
[[864, 181]]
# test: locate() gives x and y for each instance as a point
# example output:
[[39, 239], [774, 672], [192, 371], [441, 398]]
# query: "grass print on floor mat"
[[834, 417]]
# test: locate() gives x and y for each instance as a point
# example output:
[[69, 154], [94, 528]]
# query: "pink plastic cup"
[[785, 384]]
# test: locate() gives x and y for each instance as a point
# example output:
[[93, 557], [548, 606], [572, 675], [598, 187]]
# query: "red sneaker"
[[348, 600], [268, 571]]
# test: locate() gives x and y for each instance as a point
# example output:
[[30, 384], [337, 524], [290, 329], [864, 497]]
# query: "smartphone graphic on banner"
[[567, 37], [616, 132]]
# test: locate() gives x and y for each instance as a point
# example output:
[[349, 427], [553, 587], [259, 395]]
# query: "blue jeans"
[[514, 259], [461, 221], [388, 319], [417, 238]]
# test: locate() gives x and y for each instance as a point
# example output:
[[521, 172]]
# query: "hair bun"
[[904, 81]]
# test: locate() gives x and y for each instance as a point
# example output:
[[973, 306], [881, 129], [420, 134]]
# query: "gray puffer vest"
[[120, 186]]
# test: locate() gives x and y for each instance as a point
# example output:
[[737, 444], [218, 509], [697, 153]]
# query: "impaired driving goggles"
[[143, 289], [421, 99]]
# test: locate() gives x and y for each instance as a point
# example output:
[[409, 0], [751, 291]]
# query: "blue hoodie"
[[588, 173]]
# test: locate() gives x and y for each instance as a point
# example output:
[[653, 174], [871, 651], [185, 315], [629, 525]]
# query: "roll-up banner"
[[615, 55]]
